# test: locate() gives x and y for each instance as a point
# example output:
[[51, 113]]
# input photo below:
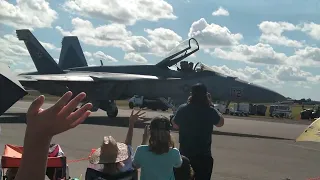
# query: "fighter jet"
[[105, 84]]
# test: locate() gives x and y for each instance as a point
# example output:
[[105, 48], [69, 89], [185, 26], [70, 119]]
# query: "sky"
[[268, 42]]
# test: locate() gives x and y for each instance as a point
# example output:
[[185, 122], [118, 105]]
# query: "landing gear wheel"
[[130, 105], [113, 113]]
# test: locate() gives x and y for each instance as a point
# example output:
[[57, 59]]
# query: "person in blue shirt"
[[195, 121], [158, 159]]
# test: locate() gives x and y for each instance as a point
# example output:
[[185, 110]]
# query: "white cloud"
[[259, 53], [87, 54], [160, 40], [135, 58], [49, 46], [122, 11], [312, 29], [264, 54], [27, 14], [213, 35], [102, 56], [220, 12], [107, 35], [248, 74], [274, 76], [272, 32], [290, 73], [309, 56], [11, 49]]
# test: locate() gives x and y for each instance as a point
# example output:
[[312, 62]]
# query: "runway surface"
[[237, 151]]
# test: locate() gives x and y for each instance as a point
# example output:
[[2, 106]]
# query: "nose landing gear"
[[112, 110]]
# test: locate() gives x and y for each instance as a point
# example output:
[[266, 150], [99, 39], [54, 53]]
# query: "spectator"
[[185, 172], [115, 157], [195, 121], [42, 125], [157, 159], [56, 151]]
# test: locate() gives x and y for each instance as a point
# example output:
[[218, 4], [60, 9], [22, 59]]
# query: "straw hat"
[[110, 151]]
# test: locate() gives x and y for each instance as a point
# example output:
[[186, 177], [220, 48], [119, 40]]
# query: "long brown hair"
[[112, 168], [160, 140], [200, 100]]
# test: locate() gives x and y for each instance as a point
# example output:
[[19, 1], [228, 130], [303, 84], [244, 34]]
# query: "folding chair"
[[92, 174], [12, 155]]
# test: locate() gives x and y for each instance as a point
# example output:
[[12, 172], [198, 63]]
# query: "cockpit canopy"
[[186, 66], [180, 52]]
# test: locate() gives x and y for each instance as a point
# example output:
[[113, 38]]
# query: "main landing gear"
[[109, 106]]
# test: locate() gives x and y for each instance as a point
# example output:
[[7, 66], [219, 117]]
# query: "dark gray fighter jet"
[[105, 84]]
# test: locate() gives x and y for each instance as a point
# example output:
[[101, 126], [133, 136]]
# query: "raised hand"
[[137, 116], [59, 117]]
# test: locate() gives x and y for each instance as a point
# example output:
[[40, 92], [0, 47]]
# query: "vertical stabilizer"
[[71, 54], [41, 58]]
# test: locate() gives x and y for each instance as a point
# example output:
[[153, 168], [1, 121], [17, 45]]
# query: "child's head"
[[185, 172], [160, 138], [111, 155]]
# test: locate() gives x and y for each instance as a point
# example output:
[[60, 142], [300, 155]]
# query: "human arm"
[[36, 153], [177, 117], [132, 120], [176, 158], [42, 125], [217, 118]]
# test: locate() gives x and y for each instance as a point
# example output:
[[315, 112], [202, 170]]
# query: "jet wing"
[[10, 88], [87, 77]]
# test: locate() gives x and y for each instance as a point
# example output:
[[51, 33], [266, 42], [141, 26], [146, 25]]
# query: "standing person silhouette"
[[195, 121]]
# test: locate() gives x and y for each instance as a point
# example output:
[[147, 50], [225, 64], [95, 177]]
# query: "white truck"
[[221, 108], [140, 101], [280, 111], [240, 109]]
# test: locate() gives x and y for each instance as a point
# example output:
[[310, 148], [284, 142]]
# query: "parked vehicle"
[[240, 109], [221, 108], [280, 111], [310, 113]]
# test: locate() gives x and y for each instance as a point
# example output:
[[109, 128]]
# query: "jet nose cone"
[[278, 97], [264, 95]]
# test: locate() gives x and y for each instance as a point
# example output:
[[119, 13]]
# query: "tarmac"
[[243, 149]]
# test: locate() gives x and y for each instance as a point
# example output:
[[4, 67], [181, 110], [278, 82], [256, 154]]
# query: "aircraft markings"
[[236, 92]]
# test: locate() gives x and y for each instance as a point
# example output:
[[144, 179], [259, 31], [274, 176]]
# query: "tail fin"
[[41, 58], [71, 54]]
